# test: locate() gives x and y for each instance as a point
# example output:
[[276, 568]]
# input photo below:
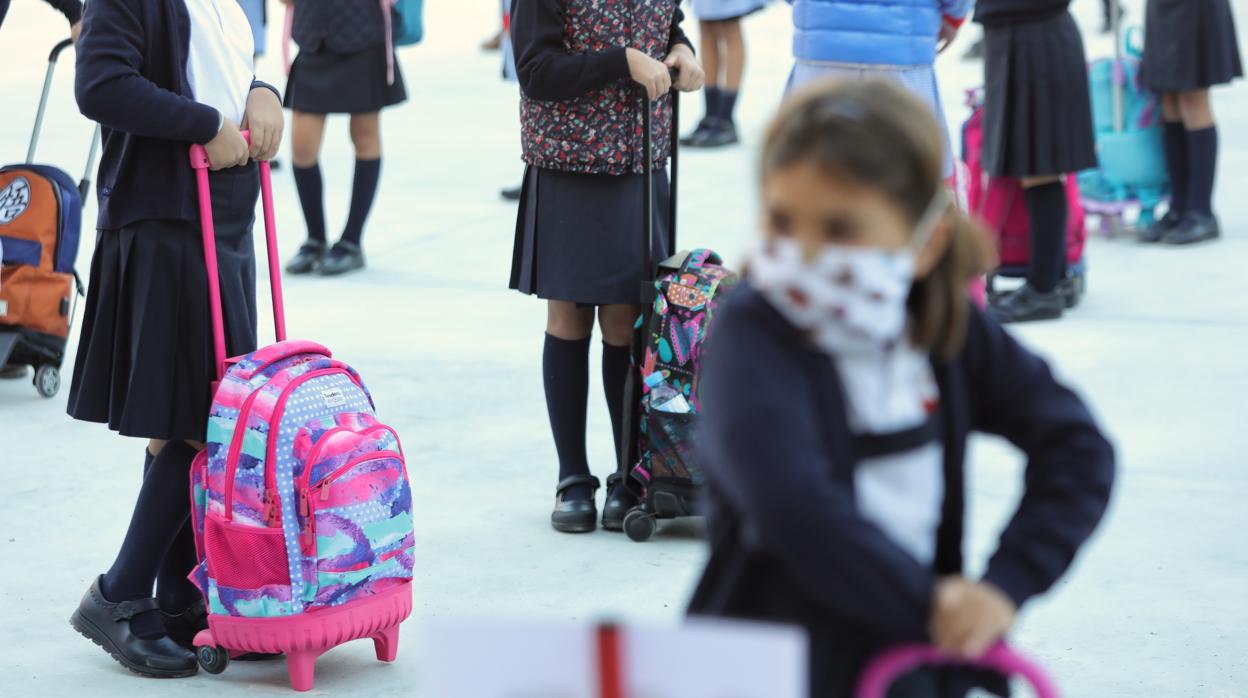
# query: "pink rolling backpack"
[[895, 663], [301, 504]]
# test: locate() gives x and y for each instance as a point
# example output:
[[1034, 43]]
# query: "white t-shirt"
[[220, 66], [901, 493]]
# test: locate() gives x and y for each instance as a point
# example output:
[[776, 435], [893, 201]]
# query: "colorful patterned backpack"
[[685, 302], [301, 504]]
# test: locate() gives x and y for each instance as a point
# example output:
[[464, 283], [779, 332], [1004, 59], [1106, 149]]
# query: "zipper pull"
[[324, 493], [303, 503]]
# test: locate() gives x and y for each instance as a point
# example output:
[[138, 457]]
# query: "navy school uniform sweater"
[[1013, 11], [787, 543], [131, 78]]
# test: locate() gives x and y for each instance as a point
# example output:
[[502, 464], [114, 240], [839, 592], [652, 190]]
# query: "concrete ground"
[[1154, 607]]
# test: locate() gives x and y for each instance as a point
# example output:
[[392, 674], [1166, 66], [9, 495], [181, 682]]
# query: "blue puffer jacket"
[[871, 32]]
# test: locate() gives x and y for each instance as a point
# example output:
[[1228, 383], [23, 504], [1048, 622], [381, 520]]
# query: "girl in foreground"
[[840, 386]]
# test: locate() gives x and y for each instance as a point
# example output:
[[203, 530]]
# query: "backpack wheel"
[[639, 526], [47, 380], [213, 660]]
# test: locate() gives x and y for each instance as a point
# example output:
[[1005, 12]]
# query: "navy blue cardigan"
[[787, 543], [131, 78]]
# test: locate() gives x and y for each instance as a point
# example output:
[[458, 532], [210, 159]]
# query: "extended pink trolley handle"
[[892, 664], [199, 161]]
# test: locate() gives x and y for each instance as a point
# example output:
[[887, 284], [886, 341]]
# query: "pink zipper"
[[307, 504]]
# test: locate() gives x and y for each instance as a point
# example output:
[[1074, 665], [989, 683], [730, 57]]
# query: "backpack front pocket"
[[358, 529]]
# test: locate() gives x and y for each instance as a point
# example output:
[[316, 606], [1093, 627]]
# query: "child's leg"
[[709, 32], [734, 70], [1046, 212], [616, 322], [1202, 149], [1176, 151], [565, 375], [366, 137], [174, 591], [306, 133], [162, 509]]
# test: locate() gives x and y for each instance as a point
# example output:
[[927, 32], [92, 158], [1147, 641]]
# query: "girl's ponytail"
[[939, 304]]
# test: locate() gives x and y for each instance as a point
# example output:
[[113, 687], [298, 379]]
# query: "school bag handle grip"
[[199, 161], [896, 662]]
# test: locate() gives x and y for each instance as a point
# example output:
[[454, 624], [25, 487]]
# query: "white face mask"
[[851, 300]]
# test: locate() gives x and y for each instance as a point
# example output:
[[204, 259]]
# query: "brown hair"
[[876, 134]]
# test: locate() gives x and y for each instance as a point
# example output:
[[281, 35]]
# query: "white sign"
[[700, 659]]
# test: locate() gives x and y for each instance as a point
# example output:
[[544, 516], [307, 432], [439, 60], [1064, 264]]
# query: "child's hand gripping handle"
[[199, 161], [894, 663]]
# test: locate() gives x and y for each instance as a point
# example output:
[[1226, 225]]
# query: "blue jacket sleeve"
[[111, 89], [764, 455], [1070, 464]]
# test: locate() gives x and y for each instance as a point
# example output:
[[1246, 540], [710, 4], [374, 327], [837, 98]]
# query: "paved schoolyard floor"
[[1154, 608]]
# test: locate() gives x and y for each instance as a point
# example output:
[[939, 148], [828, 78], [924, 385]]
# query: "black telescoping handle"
[[84, 184], [648, 186]]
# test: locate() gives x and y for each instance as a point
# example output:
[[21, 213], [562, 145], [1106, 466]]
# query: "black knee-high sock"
[[1046, 211], [1175, 141], [363, 191], [712, 100], [1202, 167], [727, 104], [615, 367], [565, 373], [161, 511], [174, 591], [311, 188]]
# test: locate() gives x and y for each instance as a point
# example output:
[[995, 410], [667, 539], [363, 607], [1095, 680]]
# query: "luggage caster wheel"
[[47, 380], [639, 526], [213, 660]]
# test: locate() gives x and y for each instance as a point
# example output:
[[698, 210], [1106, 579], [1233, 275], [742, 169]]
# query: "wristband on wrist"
[[955, 22]]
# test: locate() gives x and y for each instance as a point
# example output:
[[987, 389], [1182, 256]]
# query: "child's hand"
[[75, 31], [263, 117], [228, 149], [969, 617], [692, 76], [648, 73]]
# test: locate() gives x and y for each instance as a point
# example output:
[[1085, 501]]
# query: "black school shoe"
[[342, 257], [308, 259], [697, 133], [619, 501], [183, 627], [576, 515], [1195, 227], [1027, 304], [107, 624], [1160, 228], [719, 133]]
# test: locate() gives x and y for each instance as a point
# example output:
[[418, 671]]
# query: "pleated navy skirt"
[[1037, 110], [579, 237], [1189, 45], [323, 82], [145, 361]]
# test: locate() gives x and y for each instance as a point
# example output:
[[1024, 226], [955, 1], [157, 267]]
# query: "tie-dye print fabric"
[[301, 498], [683, 310]]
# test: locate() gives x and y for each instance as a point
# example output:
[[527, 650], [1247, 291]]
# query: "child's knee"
[[366, 135], [1195, 107], [568, 321]]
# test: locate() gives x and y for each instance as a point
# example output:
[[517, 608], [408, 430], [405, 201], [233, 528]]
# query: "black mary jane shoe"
[[1027, 305], [1160, 228], [697, 133], [342, 257], [512, 194], [1194, 228], [620, 500], [718, 134], [183, 627], [308, 259], [575, 515], [107, 624]]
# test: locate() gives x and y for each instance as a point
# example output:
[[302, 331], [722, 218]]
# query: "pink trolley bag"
[[891, 665], [997, 202], [301, 503], [658, 459]]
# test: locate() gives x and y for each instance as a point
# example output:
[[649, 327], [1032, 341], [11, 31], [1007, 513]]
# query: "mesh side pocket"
[[672, 447], [245, 557]]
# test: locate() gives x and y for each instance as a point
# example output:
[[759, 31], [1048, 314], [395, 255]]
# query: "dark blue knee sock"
[[174, 591], [363, 191], [1175, 140], [565, 374], [1202, 166], [311, 190], [1046, 211], [615, 366]]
